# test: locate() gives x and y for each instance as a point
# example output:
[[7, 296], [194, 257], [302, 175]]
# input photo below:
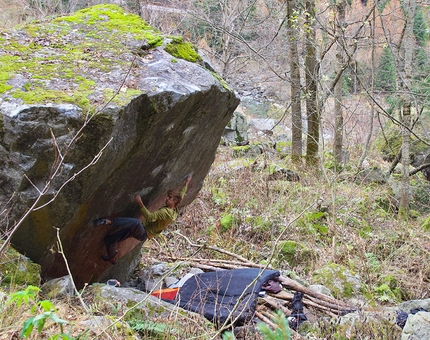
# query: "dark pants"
[[123, 228]]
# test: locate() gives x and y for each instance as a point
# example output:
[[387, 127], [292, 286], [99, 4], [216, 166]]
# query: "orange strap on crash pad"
[[166, 294]]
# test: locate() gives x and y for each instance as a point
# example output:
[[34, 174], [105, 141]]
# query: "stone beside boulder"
[[417, 326], [58, 288], [236, 131]]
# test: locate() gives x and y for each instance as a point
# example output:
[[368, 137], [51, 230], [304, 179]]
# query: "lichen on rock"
[[339, 279], [80, 58], [17, 270]]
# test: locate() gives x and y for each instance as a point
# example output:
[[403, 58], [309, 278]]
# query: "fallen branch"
[[265, 319], [223, 251], [221, 263], [276, 304], [294, 285], [202, 266], [309, 301]]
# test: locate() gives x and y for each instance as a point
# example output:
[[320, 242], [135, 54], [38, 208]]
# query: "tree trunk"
[[340, 56], [311, 69], [372, 110], [296, 108], [404, 193], [409, 10]]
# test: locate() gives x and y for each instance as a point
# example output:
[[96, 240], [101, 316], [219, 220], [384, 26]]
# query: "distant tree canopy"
[[385, 78], [420, 28]]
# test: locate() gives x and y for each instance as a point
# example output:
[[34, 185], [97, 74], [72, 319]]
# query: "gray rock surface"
[[417, 327], [58, 288], [236, 131]]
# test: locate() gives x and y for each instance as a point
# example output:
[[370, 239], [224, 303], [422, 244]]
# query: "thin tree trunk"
[[372, 110], [340, 55], [311, 67], [296, 108], [404, 193], [409, 10]]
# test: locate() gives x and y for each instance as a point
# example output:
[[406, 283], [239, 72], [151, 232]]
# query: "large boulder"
[[99, 80]]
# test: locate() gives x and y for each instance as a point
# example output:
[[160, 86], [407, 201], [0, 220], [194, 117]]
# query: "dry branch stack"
[[271, 302]]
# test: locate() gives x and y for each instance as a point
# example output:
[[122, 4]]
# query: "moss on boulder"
[[181, 49], [295, 253], [389, 142], [18, 270], [77, 58], [339, 279]]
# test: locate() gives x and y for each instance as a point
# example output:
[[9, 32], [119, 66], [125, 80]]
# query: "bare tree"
[[372, 83], [296, 107], [311, 71], [340, 56], [409, 12]]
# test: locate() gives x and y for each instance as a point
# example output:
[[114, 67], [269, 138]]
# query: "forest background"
[[338, 70], [351, 80]]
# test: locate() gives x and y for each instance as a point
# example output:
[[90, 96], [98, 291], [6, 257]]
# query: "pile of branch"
[[280, 301], [311, 300]]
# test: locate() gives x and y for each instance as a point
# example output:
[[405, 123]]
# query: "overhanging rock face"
[[164, 122]]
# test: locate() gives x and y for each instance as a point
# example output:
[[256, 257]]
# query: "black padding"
[[214, 294]]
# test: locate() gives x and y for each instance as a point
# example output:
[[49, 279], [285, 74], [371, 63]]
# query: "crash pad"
[[166, 294], [216, 294]]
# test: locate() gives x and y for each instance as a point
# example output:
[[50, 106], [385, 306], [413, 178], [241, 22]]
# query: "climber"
[[154, 223]]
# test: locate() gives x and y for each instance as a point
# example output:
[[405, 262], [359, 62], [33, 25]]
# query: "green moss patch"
[[181, 49], [62, 61], [341, 282], [17, 270], [389, 142], [109, 17], [295, 253]]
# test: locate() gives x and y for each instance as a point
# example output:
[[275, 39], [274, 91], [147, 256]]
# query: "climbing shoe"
[[107, 259], [100, 221]]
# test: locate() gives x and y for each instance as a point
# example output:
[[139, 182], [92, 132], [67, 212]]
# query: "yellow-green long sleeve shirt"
[[155, 222]]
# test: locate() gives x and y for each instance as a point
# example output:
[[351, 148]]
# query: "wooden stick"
[[265, 320], [275, 303], [309, 301], [334, 307], [202, 266], [223, 251], [294, 285], [324, 306], [268, 315], [221, 263]]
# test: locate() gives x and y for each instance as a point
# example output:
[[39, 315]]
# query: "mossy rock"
[[359, 326], [283, 148], [144, 312], [339, 279], [249, 151], [117, 328], [389, 142], [182, 49], [18, 270], [295, 253], [43, 62]]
